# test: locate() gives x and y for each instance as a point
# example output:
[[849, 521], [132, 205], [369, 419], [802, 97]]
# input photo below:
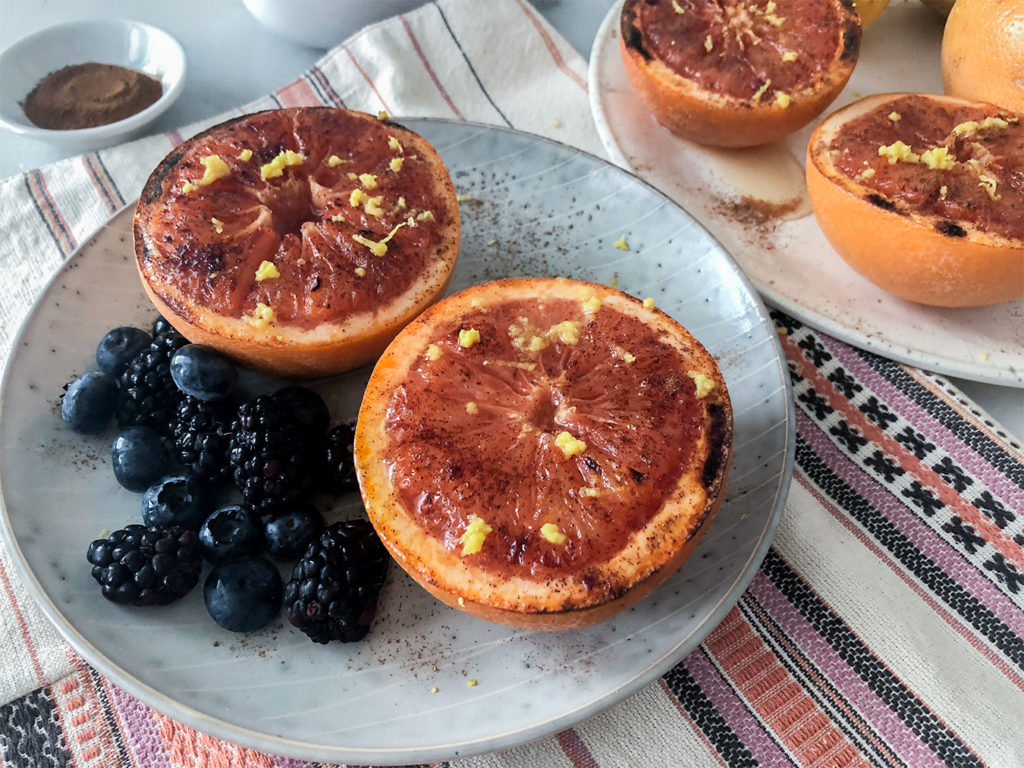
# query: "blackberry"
[[272, 457], [148, 394], [339, 470], [163, 328], [201, 436], [332, 594], [307, 408], [146, 566]]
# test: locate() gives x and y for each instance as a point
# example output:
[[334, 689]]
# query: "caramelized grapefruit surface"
[[306, 224], [964, 162], [582, 441], [923, 195], [736, 48], [733, 73]]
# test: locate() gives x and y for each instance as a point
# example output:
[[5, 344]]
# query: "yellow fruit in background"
[[869, 10], [983, 52], [941, 7]]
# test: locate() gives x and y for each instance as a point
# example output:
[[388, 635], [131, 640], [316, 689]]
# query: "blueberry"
[[118, 347], [243, 595], [88, 403], [288, 534], [139, 456], [203, 372], [175, 500], [231, 532], [307, 408]]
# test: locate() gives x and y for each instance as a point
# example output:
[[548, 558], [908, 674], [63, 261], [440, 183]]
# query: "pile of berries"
[[186, 444]]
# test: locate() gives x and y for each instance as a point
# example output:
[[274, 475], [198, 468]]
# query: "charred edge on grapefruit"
[[720, 438], [851, 38], [886, 205], [951, 229], [155, 185], [631, 34]]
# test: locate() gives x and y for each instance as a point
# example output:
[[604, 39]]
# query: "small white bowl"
[[106, 41]]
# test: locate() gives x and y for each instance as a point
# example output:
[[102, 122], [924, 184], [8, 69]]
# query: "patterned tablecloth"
[[886, 624]]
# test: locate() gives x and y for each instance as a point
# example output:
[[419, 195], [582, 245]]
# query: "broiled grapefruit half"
[[732, 73], [298, 241], [543, 452], [924, 196]]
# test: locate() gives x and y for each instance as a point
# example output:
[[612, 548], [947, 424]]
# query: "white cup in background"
[[323, 23]]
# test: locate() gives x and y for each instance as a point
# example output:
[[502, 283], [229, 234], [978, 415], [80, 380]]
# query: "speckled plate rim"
[[902, 353], [305, 750]]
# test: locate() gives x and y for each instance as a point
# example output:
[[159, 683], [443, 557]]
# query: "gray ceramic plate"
[[535, 208]]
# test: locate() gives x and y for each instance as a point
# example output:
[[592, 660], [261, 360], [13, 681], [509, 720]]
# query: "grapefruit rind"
[[651, 554], [288, 349], [686, 109], [901, 251]]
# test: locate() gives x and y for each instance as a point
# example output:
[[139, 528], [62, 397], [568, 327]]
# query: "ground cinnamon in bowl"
[[90, 94]]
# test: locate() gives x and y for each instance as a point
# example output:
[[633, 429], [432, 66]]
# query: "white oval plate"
[[549, 210], [791, 263]]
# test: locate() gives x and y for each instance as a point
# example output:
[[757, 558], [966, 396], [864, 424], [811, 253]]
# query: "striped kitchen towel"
[[886, 624]]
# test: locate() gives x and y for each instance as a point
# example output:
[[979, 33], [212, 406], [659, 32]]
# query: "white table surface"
[[232, 59]]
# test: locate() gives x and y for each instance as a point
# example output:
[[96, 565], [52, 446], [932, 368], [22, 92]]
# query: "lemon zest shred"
[[621, 244], [472, 539], [214, 168], [760, 91], [266, 271], [262, 316], [569, 445], [553, 534], [379, 247], [705, 384], [898, 152], [938, 158], [284, 159]]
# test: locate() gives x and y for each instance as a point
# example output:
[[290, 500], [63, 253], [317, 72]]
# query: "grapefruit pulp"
[[922, 195], [543, 452], [732, 73], [298, 241]]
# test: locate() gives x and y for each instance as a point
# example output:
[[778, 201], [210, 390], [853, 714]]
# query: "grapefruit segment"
[[733, 73], [316, 193], [921, 194], [571, 446]]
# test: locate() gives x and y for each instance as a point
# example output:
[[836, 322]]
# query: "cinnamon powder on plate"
[[89, 94]]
